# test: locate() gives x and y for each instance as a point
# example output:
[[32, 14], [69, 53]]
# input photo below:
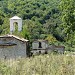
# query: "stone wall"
[[59, 49], [12, 51], [35, 45], [49, 49]]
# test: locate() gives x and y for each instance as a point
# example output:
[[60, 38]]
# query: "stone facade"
[[59, 49], [12, 47], [41, 46]]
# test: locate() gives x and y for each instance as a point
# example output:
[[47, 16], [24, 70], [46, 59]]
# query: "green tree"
[[68, 16]]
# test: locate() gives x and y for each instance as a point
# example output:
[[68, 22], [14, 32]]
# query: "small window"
[[40, 45]]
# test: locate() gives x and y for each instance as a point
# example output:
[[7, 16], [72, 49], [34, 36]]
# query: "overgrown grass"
[[48, 64]]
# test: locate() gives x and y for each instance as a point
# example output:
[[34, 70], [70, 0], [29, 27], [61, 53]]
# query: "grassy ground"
[[48, 64]]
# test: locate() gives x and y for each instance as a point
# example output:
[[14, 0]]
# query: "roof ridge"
[[8, 35]]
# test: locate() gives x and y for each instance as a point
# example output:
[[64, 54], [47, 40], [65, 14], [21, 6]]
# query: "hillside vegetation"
[[39, 16], [52, 20], [39, 65]]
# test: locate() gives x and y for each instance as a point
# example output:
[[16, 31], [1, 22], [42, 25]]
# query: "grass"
[[48, 64]]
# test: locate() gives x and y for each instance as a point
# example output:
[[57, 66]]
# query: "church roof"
[[15, 17], [16, 37]]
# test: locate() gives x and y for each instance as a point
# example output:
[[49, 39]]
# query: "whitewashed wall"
[[12, 27]]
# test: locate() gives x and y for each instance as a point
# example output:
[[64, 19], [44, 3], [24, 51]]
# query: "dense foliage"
[[42, 19], [68, 21]]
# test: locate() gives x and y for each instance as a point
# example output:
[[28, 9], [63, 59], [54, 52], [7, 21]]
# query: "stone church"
[[12, 46]]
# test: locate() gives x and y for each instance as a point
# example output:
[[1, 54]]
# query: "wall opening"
[[46, 52], [40, 45], [15, 24], [39, 52]]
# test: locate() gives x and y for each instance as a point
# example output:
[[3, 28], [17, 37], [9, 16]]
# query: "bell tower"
[[17, 20]]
